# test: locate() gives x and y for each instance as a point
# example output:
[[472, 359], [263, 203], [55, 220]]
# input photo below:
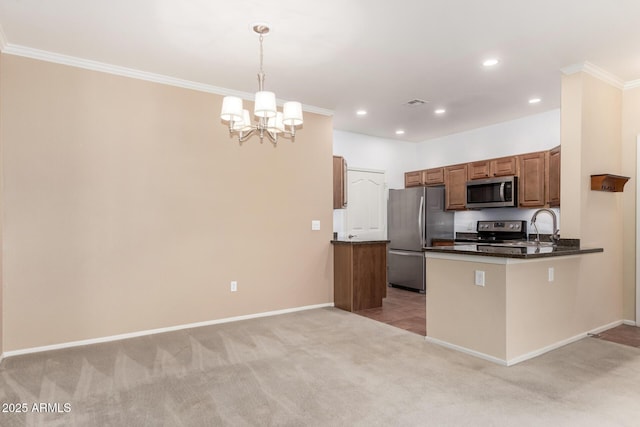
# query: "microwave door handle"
[[420, 221], [502, 184]]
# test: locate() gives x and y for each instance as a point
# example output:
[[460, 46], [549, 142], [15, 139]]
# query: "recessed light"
[[490, 62], [399, 132], [361, 112], [534, 100], [440, 111]]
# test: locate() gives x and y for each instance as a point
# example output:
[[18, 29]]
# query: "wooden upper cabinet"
[[413, 179], [455, 179], [339, 182], [433, 176], [553, 175], [504, 166], [532, 180], [479, 170]]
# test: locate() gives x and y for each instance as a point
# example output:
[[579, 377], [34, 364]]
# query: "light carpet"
[[322, 367]]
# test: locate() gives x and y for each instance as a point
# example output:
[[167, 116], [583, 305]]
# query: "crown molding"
[[596, 72], [88, 64], [3, 40], [632, 84]]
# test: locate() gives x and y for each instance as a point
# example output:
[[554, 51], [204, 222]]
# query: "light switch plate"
[[315, 225]]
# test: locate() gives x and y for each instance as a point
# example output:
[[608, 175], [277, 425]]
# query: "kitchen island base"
[[359, 274], [523, 308]]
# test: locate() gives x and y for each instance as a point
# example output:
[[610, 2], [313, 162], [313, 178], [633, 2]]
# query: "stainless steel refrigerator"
[[415, 216]]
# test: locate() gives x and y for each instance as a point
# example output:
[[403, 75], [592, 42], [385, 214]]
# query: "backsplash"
[[465, 221]]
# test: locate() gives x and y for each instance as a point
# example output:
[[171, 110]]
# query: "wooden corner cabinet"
[[455, 181], [359, 274], [339, 182]]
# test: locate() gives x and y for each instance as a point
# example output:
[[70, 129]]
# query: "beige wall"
[[630, 132], [461, 313], [541, 313], [127, 207], [591, 144], [1, 223], [518, 312]]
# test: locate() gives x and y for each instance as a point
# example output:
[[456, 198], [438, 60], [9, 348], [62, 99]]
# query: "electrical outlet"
[[315, 225], [234, 286], [551, 273], [479, 278]]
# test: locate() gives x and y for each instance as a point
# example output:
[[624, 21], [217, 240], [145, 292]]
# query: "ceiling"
[[345, 55]]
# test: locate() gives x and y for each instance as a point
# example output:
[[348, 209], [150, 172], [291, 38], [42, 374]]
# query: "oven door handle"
[[502, 184]]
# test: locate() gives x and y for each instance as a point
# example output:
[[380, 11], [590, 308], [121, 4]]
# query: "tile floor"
[[623, 334], [407, 310], [403, 309]]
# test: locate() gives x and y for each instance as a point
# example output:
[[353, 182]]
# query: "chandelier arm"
[[273, 137], [242, 136]]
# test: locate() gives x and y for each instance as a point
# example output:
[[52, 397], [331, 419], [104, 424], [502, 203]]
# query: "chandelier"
[[268, 120]]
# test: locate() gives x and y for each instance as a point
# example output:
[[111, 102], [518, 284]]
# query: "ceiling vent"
[[416, 102]]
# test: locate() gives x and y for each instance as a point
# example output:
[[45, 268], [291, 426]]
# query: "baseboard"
[[630, 322], [31, 350], [531, 354], [466, 351]]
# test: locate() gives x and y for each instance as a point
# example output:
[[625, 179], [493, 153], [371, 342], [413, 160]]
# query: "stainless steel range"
[[498, 232]]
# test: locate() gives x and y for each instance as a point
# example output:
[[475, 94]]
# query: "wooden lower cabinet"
[[359, 274]]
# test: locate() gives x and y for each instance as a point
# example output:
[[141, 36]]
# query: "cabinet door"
[[433, 176], [504, 166], [480, 170], [553, 173], [413, 179], [532, 180], [455, 179], [339, 182]]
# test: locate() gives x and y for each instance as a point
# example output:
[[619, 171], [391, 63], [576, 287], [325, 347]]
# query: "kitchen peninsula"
[[505, 303]]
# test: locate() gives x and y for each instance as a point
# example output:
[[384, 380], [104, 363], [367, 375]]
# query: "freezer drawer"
[[407, 269]]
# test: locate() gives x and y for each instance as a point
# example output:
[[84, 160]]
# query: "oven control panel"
[[502, 226]]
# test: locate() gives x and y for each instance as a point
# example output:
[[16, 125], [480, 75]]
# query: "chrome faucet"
[[555, 237]]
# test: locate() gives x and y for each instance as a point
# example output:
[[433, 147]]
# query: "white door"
[[367, 204]]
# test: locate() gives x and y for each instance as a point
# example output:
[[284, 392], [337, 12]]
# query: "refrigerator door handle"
[[420, 211], [407, 253]]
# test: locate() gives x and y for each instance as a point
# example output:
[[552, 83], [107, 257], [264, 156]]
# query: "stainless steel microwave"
[[493, 192]]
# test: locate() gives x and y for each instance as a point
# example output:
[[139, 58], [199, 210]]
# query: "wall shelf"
[[608, 182]]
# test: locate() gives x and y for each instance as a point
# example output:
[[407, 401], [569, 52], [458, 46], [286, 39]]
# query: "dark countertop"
[[526, 252], [356, 241]]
